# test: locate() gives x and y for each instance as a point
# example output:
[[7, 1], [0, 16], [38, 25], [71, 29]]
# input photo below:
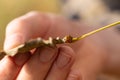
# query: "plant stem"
[[95, 31]]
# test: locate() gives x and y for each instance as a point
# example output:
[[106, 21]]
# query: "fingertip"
[[13, 41], [66, 57], [15, 33], [68, 50]]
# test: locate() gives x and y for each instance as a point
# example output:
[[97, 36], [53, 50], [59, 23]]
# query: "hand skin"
[[83, 60]]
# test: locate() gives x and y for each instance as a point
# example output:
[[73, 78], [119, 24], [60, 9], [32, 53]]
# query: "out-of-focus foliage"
[[10, 9]]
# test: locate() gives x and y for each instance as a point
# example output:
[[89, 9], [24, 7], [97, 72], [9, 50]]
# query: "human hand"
[[89, 58]]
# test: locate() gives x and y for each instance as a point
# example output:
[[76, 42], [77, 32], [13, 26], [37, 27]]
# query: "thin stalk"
[[95, 31]]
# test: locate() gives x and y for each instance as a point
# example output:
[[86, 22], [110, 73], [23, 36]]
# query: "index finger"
[[36, 24]]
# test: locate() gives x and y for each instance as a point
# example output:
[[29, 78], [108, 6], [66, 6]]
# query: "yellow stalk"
[[95, 31]]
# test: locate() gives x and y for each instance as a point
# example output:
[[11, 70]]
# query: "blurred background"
[[10, 9], [92, 12]]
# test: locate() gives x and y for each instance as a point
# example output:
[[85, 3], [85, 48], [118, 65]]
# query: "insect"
[[39, 42]]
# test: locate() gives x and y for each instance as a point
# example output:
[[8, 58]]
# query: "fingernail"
[[13, 41], [21, 58], [64, 58], [47, 54]]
